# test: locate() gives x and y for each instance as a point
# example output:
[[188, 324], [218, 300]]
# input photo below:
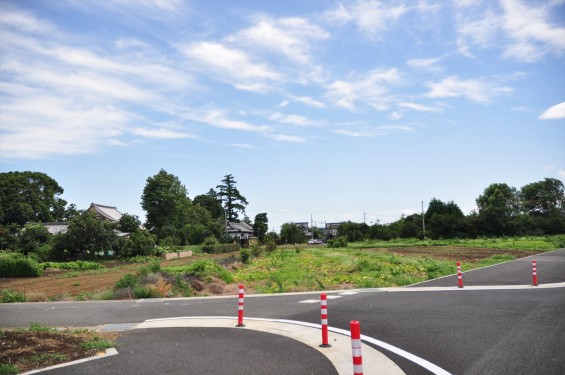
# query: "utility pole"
[[423, 220], [364, 221]]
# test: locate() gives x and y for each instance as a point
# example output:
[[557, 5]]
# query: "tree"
[[32, 237], [543, 198], [497, 205], [87, 235], [444, 220], [291, 233], [30, 197], [129, 223], [261, 226], [140, 242], [233, 201], [210, 202], [165, 200]]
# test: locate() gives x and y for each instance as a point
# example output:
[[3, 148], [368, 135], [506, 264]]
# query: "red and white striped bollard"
[[356, 347], [534, 273], [459, 275], [324, 318], [240, 308]]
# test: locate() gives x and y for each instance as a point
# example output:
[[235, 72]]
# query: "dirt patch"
[[32, 350]]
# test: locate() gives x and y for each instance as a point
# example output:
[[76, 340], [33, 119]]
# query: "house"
[[106, 212], [305, 228], [330, 231], [241, 232]]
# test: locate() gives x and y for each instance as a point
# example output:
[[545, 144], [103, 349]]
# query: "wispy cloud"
[[523, 30], [292, 119], [372, 17], [370, 89], [418, 107], [292, 38], [555, 112], [366, 132], [480, 90], [232, 66], [306, 100]]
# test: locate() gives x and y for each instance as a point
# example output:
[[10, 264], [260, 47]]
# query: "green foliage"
[[257, 250], [87, 235], [97, 343], [245, 255], [220, 248], [139, 243], [203, 269], [129, 223], [32, 237], [11, 295], [38, 327], [17, 265], [270, 245], [233, 201], [340, 241], [291, 233], [127, 281], [8, 369], [261, 226], [79, 265], [29, 197]]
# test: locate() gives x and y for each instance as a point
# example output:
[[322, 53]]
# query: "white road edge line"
[[109, 352], [400, 352]]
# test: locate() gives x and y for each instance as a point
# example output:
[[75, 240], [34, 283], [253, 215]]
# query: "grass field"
[[288, 269]]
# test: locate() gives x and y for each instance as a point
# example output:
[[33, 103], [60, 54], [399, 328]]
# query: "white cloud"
[[290, 37], [555, 112], [310, 102], [373, 132], [372, 17], [396, 115], [161, 133], [522, 30], [286, 138], [478, 90], [370, 89], [231, 66], [561, 172], [418, 107], [293, 120], [425, 64]]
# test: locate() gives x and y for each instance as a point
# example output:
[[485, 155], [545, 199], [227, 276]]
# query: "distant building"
[[241, 232], [56, 228], [305, 228], [106, 212], [330, 231]]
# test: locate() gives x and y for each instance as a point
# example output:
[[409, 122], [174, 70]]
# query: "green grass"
[[531, 243], [8, 369], [97, 343]]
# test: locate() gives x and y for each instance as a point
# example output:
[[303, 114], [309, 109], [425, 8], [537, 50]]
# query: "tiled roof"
[[239, 227], [106, 212], [56, 228]]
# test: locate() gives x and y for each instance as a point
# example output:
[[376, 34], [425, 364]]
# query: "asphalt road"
[[517, 331]]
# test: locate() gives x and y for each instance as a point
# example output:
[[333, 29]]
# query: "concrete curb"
[[109, 352]]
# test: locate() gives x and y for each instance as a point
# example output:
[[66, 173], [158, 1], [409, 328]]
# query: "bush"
[[17, 265], [140, 242], [127, 281], [256, 250], [270, 245], [220, 248], [11, 295], [245, 255], [340, 241]]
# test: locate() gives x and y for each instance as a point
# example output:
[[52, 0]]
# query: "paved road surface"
[[518, 331]]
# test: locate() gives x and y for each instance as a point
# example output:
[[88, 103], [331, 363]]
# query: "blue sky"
[[321, 109]]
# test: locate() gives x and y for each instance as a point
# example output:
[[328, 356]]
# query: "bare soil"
[[32, 350]]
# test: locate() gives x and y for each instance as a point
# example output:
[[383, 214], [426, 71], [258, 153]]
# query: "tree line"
[[537, 208], [172, 218], [28, 199]]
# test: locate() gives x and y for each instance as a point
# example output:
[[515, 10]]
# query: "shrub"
[[256, 250], [245, 255], [127, 281], [11, 295], [340, 241], [17, 265], [220, 248], [270, 245]]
